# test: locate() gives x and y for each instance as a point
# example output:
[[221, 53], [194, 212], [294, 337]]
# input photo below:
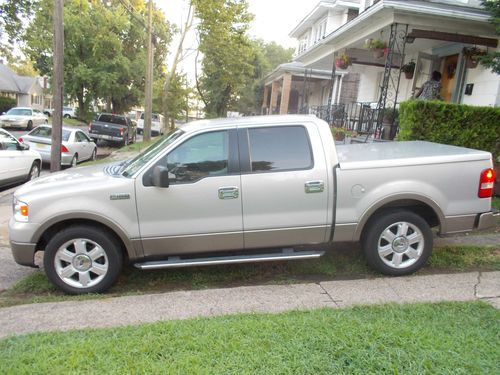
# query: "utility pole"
[[58, 53], [148, 106]]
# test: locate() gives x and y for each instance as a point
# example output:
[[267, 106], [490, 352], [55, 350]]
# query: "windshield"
[[150, 153], [19, 112]]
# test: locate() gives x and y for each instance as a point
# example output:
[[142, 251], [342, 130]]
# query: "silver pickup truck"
[[247, 190]]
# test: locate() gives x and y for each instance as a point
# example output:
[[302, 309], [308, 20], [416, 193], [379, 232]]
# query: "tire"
[[397, 242], [74, 161], [30, 125], [67, 116], [34, 171], [82, 259], [125, 140], [134, 138], [94, 155], [46, 122]]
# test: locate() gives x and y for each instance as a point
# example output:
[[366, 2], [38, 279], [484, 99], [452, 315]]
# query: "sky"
[[273, 21]]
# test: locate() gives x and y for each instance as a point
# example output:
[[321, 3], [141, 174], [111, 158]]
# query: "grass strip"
[[343, 262], [451, 338]]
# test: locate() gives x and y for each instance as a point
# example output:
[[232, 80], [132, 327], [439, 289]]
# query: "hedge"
[[6, 103], [453, 124]]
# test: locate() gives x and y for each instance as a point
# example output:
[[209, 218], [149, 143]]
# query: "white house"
[[27, 91], [434, 34]]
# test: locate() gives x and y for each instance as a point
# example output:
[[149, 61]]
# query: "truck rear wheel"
[[397, 242], [82, 259]]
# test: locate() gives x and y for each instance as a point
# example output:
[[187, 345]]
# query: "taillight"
[[20, 140], [486, 182], [122, 130], [64, 148]]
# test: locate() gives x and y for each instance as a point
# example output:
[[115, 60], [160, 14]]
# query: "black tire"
[[34, 171], [67, 116], [113, 258], [125, 140], [30, 125], [403, 255], [94, 155], [74, 161]]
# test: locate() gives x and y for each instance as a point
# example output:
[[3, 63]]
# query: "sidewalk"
[[129, 310]]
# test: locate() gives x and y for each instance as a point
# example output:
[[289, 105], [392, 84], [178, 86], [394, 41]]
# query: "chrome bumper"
[[487, 220]]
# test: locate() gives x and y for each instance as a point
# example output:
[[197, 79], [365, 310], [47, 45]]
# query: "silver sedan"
[[76, 145]]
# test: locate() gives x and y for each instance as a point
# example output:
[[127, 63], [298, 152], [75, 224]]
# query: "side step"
[[176, 262]]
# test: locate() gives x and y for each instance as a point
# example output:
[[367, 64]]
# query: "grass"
[[344, 262], [445, 338], [71, 122], [137, 146], [495, 203]]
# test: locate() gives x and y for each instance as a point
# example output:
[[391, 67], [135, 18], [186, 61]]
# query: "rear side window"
[[120, 120], [282, 148]]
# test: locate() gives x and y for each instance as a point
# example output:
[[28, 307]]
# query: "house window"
[[303, 44], [320, 31], [36, 99]]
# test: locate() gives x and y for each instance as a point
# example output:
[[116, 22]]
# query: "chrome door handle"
[[229, 192], [314, 186]]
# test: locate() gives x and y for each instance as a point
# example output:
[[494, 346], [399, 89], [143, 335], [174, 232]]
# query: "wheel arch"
[[425, 207], [41, 237]]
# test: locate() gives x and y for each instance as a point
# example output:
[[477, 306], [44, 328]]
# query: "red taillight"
[[122, 130], [20, 140], [90, 126], [64, 148], [486, 182]]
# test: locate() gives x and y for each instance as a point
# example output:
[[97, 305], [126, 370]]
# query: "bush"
[[6, 103], [452, 124]]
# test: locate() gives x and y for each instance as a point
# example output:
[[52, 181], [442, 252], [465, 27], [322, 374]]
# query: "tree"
[[227, 52], [492, 59], [11, 23], [24, 68]]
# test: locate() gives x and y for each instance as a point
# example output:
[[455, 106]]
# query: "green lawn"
[[444, 338], [341, 263], [495, 203]]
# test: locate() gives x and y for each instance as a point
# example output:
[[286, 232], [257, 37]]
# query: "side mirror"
[[160, 177], [23, 147]]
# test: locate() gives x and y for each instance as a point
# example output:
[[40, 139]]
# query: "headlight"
[[21, 210]]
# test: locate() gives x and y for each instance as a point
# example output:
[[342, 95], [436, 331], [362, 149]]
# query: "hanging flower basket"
[[377, 46], [408, 69], [342, 62], [471, 62], [472, 56]]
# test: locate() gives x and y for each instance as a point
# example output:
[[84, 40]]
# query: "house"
[[27, 91], [433, 34]]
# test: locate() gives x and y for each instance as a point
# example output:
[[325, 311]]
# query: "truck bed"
[[397, 154]]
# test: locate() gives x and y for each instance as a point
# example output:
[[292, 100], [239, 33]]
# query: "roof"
[[11, 82], [299, 69]]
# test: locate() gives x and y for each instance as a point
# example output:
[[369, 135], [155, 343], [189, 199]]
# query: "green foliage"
[[441, 338], [6, 103], [105, 50], [375, 43], [453, 124], [24, 68], [227, 52], [492, 59], [11, 23], [176, 99]]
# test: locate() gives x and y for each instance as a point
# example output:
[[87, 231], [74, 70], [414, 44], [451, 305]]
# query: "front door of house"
[[448, 78]]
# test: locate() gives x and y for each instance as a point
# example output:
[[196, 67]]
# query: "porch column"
[[285, 93], [264, 101], [274, 96]]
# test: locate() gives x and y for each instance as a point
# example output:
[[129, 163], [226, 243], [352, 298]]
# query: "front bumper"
[[20, 237], [24, 253]]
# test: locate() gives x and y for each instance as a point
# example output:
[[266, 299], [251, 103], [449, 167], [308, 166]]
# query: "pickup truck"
[[113, 128], [248, 190]]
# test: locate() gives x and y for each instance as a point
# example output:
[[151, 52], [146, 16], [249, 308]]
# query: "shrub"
[[452, 124], [6, 103]]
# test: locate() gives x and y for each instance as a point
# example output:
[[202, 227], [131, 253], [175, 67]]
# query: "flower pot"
[[378, 53], [341, 64], [471, 62], [408, 75]]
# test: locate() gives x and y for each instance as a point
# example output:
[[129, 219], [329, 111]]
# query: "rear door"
[[284, 185]]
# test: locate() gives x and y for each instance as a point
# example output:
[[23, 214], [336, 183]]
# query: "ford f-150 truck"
[[248, 190], [113, 128]]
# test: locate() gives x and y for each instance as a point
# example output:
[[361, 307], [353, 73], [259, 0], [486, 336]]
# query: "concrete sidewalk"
[[272, 298]]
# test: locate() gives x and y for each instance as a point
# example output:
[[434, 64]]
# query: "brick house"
[[433, 34]]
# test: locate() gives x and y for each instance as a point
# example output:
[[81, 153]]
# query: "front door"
[[448, 79], [201, 209]]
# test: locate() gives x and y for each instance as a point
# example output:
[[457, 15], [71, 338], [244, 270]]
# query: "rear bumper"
[[487, 219], [24, 253], [107, 137], [467, 223]]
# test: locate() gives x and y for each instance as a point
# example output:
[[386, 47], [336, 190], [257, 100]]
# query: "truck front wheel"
[[82, 259], [397, 242]]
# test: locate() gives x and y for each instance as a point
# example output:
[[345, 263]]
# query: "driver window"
[[7, 142], [200, 156]]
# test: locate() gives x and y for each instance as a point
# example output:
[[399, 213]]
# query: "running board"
[[177, 262]]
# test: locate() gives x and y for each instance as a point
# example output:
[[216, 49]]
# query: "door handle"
[[229, 192], [314, 186]]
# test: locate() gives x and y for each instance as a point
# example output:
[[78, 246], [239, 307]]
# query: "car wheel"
[[30, 125], [82, 259], [46, 121], [397, 242], [74, 161], [34, 171], [125, 140], [134, 138], [94, 155], [67, 116]]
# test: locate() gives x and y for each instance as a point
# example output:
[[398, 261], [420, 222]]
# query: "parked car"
[[69, 112], [76, 145], [157, 124], [48, 111], [114, 128], [17, 162], [246, 190], [22, 117]]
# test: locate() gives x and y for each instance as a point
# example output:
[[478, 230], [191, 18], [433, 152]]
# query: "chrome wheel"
[[74, 161], [81, 263], [34, 172], [401, 245]]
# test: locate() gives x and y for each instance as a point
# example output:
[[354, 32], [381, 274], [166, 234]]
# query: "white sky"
[[273, 21]]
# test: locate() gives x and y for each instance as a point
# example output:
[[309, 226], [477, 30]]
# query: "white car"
[[69, 112], [23, 117], [17, 162], [157, 124], [76, 145]]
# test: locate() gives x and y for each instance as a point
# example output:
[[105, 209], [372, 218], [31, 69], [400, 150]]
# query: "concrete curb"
[[121, 311]]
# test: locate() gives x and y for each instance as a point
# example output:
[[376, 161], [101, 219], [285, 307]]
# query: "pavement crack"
[[328, 294], [476, 286]]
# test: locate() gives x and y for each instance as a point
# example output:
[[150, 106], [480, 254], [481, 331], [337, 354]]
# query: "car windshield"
[[19, 112], [131, 167], [46, 132]]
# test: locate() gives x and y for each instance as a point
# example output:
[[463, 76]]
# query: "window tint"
[[279, 148], [81, 137], [7, 142], [200, 156], [46, 132], [120, 120]]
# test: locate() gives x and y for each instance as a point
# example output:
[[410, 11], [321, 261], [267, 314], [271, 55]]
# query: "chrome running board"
[[177, 262]]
